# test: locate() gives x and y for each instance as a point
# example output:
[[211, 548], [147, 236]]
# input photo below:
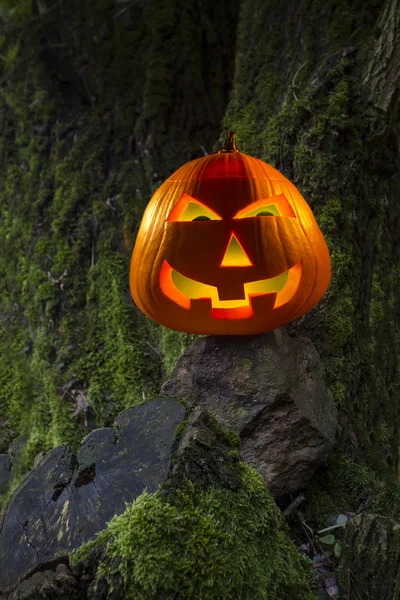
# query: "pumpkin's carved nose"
[[235, 255]]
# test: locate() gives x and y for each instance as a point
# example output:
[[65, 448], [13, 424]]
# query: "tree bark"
[[382, 73]]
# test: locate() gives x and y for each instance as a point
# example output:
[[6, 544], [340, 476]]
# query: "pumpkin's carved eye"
[[190, 209], [280, 207]]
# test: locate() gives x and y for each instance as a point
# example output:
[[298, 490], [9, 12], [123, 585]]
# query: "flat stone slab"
[[65, 499]]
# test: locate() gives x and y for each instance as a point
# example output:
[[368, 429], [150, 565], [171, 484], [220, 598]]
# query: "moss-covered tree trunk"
[[99, 102], [372, 558]]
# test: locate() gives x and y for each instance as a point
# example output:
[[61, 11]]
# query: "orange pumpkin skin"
[[285, 246]]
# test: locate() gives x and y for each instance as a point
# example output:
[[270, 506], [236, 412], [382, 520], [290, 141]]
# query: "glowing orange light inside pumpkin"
[[183, 290]]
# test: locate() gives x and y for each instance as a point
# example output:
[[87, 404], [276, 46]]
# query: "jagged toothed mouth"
[[182, 290]]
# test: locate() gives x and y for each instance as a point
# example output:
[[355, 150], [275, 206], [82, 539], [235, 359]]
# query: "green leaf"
[[327, 541], [337, 549]]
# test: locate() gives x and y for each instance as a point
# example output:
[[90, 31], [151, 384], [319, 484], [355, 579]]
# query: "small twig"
[[92, 263], [354, 579], [294, 79], [303, 522], [357, 591], [204, 150], [298, 71], [348, 584], [62, 397], [90, 97], [332, 527], [120, 12], [296, 502], [304, 526], [155, 349], [71, 395], [109, 203]]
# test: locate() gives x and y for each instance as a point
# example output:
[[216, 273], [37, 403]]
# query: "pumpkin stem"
[[230, 143]]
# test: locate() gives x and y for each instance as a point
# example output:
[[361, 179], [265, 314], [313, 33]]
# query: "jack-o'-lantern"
[[227, 245]]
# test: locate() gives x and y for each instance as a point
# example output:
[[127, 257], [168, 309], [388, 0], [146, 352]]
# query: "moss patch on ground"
[[216, 545]]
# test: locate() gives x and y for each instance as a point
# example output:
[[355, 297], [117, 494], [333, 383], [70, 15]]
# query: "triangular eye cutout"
[[235, 256], [190, 209]]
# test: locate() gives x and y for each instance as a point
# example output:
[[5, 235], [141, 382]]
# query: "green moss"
[[341, 484], [173, 343], [387, 501], [46, 278], [217, 545], [185, 404], [371, 557], [225, 434], [181, 428]]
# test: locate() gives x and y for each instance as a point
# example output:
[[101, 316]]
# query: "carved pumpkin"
[[227, 245]]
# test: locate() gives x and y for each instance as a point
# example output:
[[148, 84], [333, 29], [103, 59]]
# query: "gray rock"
[[203, 454], [65, 500], [58, 584], [270, 389]]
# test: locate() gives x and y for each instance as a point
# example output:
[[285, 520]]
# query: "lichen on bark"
[[371, 560]]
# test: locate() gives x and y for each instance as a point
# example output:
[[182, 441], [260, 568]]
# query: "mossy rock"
[[371, 558], [216, 544]]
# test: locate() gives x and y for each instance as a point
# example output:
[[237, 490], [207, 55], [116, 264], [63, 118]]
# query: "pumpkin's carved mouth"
[[182, 290]]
